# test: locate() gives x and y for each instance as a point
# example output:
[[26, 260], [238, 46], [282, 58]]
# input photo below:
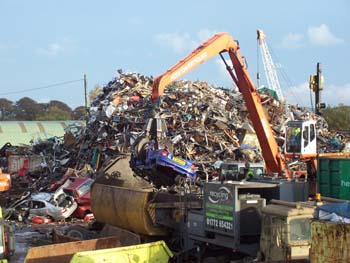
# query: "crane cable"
[[43, 87], [289, 83], [311, 100]]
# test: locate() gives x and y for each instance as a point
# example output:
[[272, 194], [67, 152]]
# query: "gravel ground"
[[28, 236]]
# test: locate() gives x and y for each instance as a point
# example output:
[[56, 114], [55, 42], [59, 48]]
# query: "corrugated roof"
[[23, 132]]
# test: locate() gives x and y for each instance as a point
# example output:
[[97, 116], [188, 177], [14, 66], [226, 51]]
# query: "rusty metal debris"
[[205, 124]]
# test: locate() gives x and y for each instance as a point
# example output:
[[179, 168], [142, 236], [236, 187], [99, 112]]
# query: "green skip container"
[[155, 252], [333, 176]]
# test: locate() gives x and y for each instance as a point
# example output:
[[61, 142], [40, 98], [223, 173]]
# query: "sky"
[[43, 43]]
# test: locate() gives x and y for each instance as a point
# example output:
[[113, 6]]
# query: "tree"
[[79, 113], [55, 114], [338, 118], [27, 109], [60, 105], [94, 92], [55, 109], [6, 110]]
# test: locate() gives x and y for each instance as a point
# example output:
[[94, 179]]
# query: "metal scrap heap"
[[205, 123]]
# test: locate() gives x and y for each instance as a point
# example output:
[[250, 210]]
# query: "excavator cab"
[[300, 138]]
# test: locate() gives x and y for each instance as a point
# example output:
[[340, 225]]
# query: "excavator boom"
[[218, 44], [132, 204]]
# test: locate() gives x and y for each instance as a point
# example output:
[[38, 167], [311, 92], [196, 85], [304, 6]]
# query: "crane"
[[275, 160], [219, 44], [269, 66]]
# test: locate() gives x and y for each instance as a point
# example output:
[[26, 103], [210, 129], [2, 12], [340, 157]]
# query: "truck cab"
[[285, 232]]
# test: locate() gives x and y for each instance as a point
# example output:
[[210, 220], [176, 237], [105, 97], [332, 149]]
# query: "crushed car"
[[40, 204], [152, 157], [170, 169], [79, 189]]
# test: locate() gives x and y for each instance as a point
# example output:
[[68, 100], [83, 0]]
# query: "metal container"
[[64, 252], [126, 208], [232, 213], [16, 162], [334, 177], [148, 252], [330, 242]]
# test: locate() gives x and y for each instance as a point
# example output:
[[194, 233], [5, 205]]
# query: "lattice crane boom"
[[269, 66]]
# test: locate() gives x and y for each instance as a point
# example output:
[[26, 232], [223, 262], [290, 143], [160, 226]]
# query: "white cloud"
[[205, 34], [179, 42], [322, 36], [222, 67], [331, 95], [224, 75], [336, 94], [53, 49], [292, 41], [183, 42], [57, 48], [299, 94], [316, 36]]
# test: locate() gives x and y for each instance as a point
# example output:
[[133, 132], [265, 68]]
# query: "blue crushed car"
[[152, 158], [162, 168]]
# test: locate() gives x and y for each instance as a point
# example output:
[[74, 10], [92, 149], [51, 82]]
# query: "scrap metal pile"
[[205, 123]]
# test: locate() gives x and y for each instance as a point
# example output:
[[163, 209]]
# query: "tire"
[[77, 232], [260, 256], [140, 148]]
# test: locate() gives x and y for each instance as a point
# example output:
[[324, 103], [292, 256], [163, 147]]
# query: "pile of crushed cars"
[[205, 124]]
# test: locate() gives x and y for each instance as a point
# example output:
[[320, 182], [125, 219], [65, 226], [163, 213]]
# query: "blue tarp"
[[341, 209]]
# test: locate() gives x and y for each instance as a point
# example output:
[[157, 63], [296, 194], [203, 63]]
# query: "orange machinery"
[[128, 205], [276, 162], [5, 181], [218, 44]]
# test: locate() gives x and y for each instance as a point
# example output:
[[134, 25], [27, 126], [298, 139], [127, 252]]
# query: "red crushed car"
[[79, 189]]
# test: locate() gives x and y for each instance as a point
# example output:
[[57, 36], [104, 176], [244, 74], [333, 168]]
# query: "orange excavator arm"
[[219, 44]]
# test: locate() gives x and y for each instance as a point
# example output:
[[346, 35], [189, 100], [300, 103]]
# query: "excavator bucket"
[[127, 202], [115, 191], [111, 205]]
